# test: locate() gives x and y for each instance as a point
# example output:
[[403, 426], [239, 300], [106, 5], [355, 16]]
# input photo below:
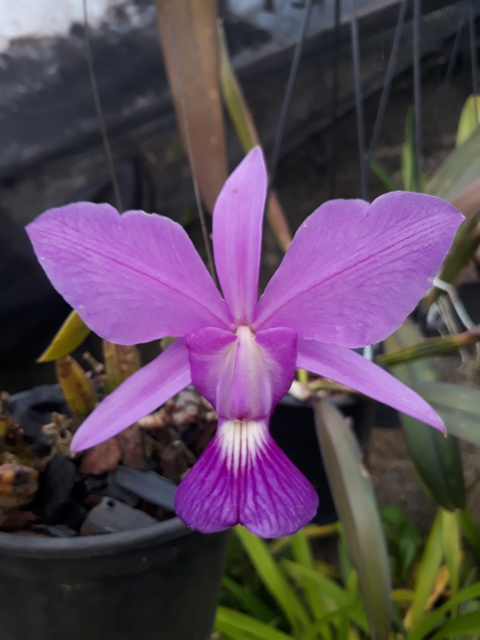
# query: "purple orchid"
[[352, 274]]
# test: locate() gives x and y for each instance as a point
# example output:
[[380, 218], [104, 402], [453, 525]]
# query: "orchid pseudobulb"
[[352, 274]]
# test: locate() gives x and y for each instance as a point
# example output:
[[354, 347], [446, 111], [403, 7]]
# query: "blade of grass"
[[382, 175], [427, 572], [469, 623], [431, 620], [228, 618], [274, 579], [451, 546], [302, 554], [249, 600], [468, 121]]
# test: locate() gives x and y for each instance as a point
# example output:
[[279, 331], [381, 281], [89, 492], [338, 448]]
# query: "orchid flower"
[[352, 274]]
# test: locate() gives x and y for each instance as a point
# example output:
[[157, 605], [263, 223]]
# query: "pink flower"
[[353, 273]]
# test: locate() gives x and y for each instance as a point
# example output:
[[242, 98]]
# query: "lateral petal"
[[353, 370], [354, 271], [139, 395], [132, 278], [244, 477], [237, 234]]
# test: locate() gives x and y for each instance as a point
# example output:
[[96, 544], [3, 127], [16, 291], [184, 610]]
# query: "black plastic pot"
[[157, 583], [293, 427]]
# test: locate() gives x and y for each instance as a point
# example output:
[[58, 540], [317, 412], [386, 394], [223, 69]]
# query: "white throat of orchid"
[[241, 441]]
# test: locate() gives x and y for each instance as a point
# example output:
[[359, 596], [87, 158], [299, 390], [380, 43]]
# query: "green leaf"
[[408, 153], [249, 600], [436, 458], [427, 572], [352, 611], [274, 579], [458, 406], [302, 553], [226, 619], [458, 179], [465, 244], [470, 530], [431, 620], [469, 623], [356, 505], [380, 172], [230, 631], [469, 119], [337, 598], [70, 336], [408, 158], [451, 546], [428, 348]]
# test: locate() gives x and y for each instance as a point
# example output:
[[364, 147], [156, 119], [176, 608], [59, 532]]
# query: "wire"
[[289, 90], [473, 55], [417, 92], [388, 80], [98, 109], [332, 152], [451, 66], [358, 101]]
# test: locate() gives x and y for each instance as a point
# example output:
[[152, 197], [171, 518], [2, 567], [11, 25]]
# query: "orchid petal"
[[354, 271], [244, 477], [243, 375], [139, 395], [237, 234], [353, 370], [132, 278]]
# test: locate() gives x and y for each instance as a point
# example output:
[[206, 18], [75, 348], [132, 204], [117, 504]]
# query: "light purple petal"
[[138, 396], [353, 370], [244, 477], [132, 278], [355, 271], [243, 375], [237, 234]]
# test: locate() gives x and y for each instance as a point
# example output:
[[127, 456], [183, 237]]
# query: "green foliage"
[[436, 458], [279, 591]]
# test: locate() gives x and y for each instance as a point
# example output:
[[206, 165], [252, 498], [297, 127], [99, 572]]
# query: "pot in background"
[[292, 425]]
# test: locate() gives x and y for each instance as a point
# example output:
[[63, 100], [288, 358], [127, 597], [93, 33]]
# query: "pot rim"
[[96, 545]]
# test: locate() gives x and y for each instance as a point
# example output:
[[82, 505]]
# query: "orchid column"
[[352, 274]]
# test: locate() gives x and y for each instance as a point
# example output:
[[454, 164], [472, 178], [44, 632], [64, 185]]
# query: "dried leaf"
[[188, 33], [76, 386], [70, 336], [121, 361], [245, 127]]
